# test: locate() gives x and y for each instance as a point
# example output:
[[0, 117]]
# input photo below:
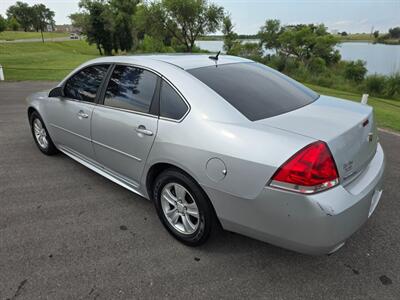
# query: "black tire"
[[207, 221], [50, 149]]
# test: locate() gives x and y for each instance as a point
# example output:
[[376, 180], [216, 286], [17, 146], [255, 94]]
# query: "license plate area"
[[374, 202]]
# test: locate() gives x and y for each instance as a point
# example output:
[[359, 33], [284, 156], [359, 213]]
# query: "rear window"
[[255, 90]]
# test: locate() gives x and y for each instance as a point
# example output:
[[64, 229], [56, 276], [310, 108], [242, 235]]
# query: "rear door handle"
[[82, 115], [142, 129]]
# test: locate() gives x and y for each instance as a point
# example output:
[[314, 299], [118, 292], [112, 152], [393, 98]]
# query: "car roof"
[[183, 61]]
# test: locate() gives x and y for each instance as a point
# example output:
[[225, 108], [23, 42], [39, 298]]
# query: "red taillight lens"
[[310, 170]]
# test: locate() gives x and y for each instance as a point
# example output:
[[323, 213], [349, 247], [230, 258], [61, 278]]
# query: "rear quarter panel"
[[251, 156]]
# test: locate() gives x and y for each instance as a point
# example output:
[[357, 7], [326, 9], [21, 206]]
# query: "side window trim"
[[104, 85], [155, 102], [100, 87], [188, 107]]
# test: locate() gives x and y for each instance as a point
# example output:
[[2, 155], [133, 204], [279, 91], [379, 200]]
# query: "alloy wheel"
[[180, 208], [40, 133]]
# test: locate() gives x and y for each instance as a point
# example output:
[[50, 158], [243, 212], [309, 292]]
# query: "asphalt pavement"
[[68, 233]]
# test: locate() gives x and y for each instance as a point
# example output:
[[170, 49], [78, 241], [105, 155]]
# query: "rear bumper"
[[311, 224]]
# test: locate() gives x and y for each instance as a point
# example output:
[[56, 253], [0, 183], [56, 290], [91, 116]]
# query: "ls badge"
[[348, 166], [370, 137]]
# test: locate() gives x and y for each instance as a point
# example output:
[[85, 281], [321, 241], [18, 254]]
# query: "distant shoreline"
[[357, 38]]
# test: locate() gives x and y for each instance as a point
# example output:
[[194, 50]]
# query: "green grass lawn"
[[54, 60], [22, 35], [43, 61]]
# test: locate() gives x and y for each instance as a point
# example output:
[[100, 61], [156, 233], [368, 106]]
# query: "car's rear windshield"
[[255, 90]]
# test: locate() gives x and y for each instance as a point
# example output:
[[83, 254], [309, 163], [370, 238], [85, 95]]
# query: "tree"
[[308, 41], [269, 34], [3, 23], [344, 33], [42, 16], [394, 33], [13, 24], [23, 13], [79, 20], [185, 20], [123, 10], [147, 22], [230, 36], [98, 24], [376, 34]]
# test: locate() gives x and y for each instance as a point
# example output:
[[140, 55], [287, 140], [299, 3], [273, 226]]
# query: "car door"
[[124, 126], [69, 116]]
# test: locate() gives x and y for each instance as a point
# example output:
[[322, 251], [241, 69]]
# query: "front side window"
[[171, 104], [131, 88], [84, 85], [255, 90]]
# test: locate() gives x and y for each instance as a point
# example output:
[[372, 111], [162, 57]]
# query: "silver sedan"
[[219, 141]]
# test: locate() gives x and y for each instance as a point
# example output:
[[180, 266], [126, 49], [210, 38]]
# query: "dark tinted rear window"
[[255, 90]]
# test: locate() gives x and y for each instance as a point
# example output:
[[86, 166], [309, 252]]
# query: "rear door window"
[[255, 90], [172, 105], [84, 85], [131, 88]]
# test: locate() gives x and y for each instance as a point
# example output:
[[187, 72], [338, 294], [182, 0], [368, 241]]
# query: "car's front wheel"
[[41, 135], [183, 208]]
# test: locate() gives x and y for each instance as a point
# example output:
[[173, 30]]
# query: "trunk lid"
[[347, 127]]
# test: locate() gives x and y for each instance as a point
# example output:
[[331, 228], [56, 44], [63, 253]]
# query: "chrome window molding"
[[112, 64], [64, 82], [163, 78], [182, 97], [127, 110]]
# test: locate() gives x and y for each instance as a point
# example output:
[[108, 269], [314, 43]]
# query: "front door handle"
[[142, 129], [82, 115]]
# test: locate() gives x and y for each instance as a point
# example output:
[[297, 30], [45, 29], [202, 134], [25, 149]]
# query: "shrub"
[[375, 84], [392, 86], [152, 45], [277, 62], [248, 50], [325, 80], [13, 24], [317, 65], [293, 65], [180, 48], [355, 70]]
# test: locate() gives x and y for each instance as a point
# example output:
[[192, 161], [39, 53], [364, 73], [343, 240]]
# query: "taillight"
[[310, 170]]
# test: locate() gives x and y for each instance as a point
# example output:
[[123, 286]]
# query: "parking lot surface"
[[68, 233]]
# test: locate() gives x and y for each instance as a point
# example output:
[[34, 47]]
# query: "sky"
[[342, 15]]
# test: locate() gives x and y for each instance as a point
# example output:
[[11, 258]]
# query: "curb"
[[389, 131]]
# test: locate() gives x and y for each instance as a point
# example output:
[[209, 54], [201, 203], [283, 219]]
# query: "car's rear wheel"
[[183, 208], [41, 135]]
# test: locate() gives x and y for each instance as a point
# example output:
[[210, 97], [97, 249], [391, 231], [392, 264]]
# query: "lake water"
[[380, 58]]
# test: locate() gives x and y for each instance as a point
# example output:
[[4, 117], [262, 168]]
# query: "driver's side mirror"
[[56, 92]]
